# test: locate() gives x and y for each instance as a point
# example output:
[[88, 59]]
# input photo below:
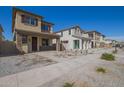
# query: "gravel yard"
[[14, 64], [82, 67], [87, 76]]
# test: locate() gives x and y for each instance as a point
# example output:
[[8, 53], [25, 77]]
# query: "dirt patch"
[[36, 59]]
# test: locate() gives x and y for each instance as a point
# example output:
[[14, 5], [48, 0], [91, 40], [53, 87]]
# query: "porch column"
[[89, 44], [38, 43], [29, 44], [84, 45], [58, 44], [80, 44]]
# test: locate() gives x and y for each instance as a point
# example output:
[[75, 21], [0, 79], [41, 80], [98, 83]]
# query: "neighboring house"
[[31, 33], [98, 40], [1, 35], [109, 43], [122, 44], [74, 38]]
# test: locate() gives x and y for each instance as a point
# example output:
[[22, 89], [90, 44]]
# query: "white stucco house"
[[74, 38], [98, 39]]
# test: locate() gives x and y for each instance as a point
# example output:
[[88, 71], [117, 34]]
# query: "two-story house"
[[74, 38], [97, 39], [1, 35], [31, 32]]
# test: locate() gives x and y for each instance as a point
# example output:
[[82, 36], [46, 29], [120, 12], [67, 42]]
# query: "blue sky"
[[107, 20]]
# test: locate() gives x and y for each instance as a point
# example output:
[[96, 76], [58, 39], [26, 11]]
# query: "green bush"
[[68, 84], [100, 69], [108, 57]]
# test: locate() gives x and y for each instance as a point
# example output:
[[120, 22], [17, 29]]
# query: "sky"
[[105, 19]]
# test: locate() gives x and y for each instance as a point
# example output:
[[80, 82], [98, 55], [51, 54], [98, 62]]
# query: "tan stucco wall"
[[28, 47], [25, 48], [22, 26], [18, 42]]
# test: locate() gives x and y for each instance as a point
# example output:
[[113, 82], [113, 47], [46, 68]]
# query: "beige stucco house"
[[98, 39], [31, 33]]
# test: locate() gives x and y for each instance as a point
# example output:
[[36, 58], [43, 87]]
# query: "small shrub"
[[108, 57], [68, 84], [114, 51], [100, 69], [22, 53]]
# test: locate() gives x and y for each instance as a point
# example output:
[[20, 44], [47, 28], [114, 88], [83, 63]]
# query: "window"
[[14, 39], [45, 27], [45, 42], [66, 41], [33, 21], [91, 36], [61, 33], [24, 39], [29, 20], [76, 44], [69, 32]]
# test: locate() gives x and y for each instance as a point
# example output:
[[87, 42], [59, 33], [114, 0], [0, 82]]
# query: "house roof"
[[73, 27], [47, 22], [1, 29], [81, 30], [95, 32], [17, 9]]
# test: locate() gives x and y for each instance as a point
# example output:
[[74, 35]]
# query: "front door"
[[34, 43]]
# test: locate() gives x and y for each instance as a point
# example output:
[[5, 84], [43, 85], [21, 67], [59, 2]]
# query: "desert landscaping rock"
[[52, 70]]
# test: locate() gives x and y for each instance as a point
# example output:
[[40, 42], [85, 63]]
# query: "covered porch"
[[37, 41], [84, 43]]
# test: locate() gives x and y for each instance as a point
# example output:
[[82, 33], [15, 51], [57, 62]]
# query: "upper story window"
[[69, 32], [62, 33], [29, 20], [91, 35], [45, 27]]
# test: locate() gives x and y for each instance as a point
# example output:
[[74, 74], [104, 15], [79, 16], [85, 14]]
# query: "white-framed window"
[[76, 44], [70, 32], [62, 33]]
